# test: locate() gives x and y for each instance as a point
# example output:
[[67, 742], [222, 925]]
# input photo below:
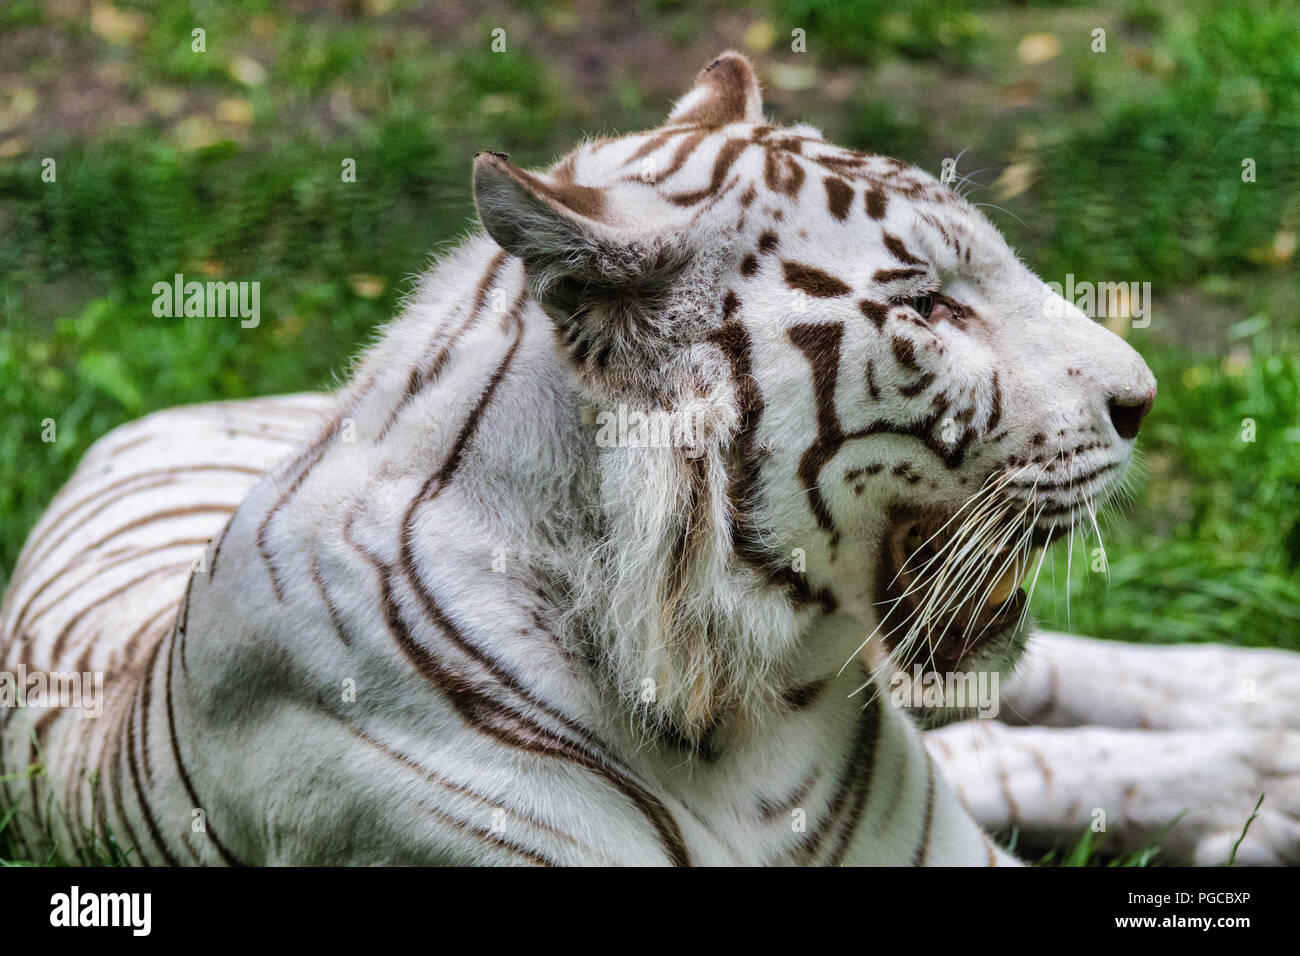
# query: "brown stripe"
[[877, 202], [586, 201], [163, 621], [211, 831], [992, 852], [923, 850], [56, 650], [333, 610], [422, 376], [876, 312], [439, 479], [802, 695], [685, 149], [510, 727], [995, 413], [451, 786], [813, 281], [216, 549], [885, 276], [49, 526], [917, 387], [851, 780], [490, 837], [839, 197], [141, 799], [315, 453], [115, 786], [146, 706], [303, 462], [899, 251], [769, 811], [905, 354], [743, 486], [782, 172], [820, 344], [872, 389], [726, 158], [124, 556], [866, 753]]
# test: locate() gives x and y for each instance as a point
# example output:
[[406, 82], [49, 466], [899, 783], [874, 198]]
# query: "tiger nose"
[[1127, 412]]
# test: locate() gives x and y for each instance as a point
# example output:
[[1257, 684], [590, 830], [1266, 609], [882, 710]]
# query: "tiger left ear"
[[726, 91], [532, 216], [577, 260]]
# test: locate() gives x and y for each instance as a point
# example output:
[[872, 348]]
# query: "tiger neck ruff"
[[470, 620]]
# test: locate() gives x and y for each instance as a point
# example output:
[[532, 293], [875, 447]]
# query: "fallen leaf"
[[246, 70], [11, 148], [287, 329], [792, 78], [1236, 362], [1283, 246], [195, 132], [1038, 48], [1014, 180], [164, 101], [760, 36], [114, 25], [21, 103], [367, 286], [235, 110]]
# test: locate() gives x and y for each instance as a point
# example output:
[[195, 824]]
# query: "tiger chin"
[[454, 624]]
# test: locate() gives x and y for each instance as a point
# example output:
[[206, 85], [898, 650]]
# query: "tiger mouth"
[[940, 619]]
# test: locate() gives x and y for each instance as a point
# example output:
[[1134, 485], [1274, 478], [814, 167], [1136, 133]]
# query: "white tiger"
[[609, 549]]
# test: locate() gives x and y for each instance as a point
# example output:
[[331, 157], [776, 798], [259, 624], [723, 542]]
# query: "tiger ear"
[[726, 91], [576, 258], [536, 217]]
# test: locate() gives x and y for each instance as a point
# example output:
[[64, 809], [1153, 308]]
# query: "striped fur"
[[438, 619]]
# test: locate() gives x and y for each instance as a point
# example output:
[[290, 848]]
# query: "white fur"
[[491, 580]]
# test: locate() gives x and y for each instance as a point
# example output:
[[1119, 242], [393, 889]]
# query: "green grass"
[[1133, 159]]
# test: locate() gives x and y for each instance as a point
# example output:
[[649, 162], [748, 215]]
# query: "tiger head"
[[887, 415]]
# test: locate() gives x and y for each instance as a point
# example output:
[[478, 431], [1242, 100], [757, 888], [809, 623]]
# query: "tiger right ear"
[[726, 91]]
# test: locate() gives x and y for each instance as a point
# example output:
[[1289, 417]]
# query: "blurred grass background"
[[1121, 166]]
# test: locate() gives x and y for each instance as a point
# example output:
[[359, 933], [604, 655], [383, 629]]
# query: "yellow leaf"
[[792, 78], [1038, 48], [20, 105], [760, 36], [287, 329], [164, 101], [196, 132], [367, 286], [247, 70], [114, 25], [235, 110], [11, 148], [1284, 246], [1236, 362], [1015, 179]]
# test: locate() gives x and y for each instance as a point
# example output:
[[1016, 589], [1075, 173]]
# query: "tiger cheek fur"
[[587, 561]]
